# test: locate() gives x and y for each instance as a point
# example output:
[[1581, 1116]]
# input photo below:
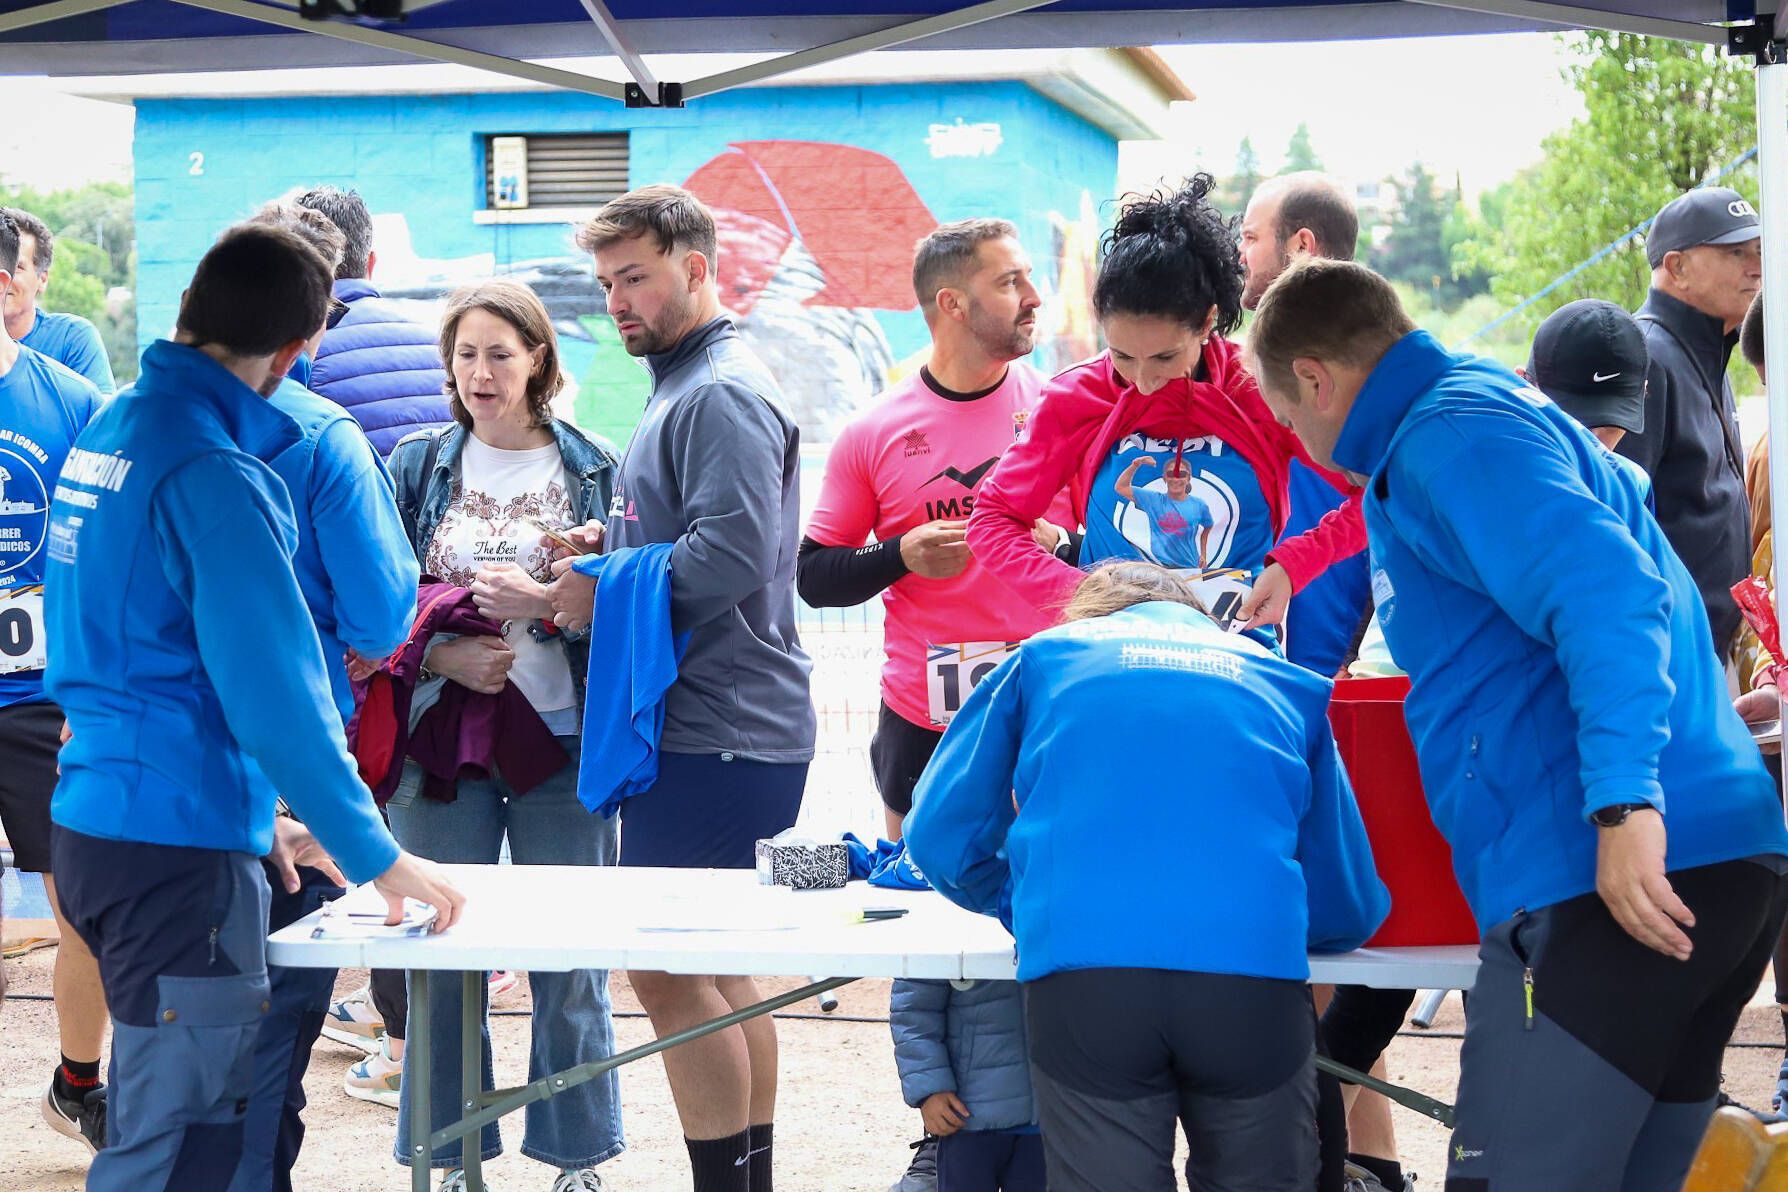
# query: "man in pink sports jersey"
[[906, 470]]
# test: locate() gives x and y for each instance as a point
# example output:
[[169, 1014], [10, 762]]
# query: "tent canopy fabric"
[[87, 37]]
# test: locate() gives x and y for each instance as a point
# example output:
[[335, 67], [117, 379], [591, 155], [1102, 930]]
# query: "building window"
[[554, 170]]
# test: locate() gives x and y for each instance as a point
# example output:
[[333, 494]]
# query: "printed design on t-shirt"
[[1021, 421], [24, 504], [498, 532], [916, 443], [950, 504], [1171, 505]]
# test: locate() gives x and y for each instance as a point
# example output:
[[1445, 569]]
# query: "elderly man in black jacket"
[[1706, 265]]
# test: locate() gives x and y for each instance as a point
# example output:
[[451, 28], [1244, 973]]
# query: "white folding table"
[[557, 918]]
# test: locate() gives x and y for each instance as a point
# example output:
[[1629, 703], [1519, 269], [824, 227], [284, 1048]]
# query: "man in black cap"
[[1706, 265], [1589, 356]]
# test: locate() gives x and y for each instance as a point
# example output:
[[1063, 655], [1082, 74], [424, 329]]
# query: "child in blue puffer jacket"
[[965, 1066]]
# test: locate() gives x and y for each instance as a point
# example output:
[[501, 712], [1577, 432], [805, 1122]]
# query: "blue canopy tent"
[[89, 37]]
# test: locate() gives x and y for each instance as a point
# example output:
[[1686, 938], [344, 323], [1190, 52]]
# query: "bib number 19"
[[951, 672]]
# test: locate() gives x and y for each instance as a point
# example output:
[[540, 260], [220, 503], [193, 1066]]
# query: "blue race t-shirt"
[[43, 406], [74, 343], [1234, 540]]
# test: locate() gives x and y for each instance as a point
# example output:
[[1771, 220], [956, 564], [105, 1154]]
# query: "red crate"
[[1413, 859]]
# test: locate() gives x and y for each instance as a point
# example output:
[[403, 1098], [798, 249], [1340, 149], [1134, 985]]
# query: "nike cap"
[[1590, 358], [1708, 215]]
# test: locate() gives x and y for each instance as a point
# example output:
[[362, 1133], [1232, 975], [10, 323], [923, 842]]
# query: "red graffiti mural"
[[851, 209]]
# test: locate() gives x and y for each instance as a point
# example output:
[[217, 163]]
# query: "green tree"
[[1235, 191], [1299, 153], [95, 232], [1416, 250], [1661, 117]]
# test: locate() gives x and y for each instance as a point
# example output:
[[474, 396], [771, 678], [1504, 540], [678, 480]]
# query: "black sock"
[[760, 1156], [75, 1079], [720, 1164], [1388, 1171]]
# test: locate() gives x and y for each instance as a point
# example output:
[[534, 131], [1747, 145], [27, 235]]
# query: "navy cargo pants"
[[180, 934]]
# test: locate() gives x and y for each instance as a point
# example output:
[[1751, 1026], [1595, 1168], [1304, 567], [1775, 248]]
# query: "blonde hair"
[[1114, 587], [521, 308]]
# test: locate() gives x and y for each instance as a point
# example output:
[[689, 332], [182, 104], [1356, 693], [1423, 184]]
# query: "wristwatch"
[[1614, 815]]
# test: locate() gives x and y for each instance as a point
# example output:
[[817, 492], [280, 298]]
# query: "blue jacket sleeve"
[[1347, 900], [1593, 596], [372, 570], [917, 1016], [218, 519], [963, 807]]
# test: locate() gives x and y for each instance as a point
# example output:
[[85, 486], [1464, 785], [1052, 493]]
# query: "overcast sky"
[[1479, 106]]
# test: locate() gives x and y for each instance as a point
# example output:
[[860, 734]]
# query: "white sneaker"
[[353, 1021], [378, 1078], [454, 1181], [581, 1179]]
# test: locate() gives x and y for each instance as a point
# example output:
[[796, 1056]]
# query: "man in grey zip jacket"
[[714, 470], [1707, 265]]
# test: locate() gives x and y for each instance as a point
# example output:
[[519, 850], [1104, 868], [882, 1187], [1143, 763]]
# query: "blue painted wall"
[[202, 164]]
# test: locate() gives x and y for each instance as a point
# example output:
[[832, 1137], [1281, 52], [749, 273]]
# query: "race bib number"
[[21, 630], [951, 672], [1221, 592]]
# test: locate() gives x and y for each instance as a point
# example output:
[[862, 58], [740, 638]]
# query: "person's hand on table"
[[1760, 706], [411, 876], [573, 595], [936, 550], [480, 663], [1267, 601], [1630, 879], [293, 845], [944, 1114], [503, 592]]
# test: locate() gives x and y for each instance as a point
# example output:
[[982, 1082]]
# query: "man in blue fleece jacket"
[[1571, 720], [170, 538]]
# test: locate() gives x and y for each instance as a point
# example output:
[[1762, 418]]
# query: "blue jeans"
[[547, 826]]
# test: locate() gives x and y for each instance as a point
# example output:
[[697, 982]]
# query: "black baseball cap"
[[1590, 358], [1707, 215]]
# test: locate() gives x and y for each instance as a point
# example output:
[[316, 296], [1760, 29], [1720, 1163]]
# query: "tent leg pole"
[[1772, 174]]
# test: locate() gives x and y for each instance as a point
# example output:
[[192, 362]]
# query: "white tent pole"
[[1588, 18], [623, 48], [881, 39], [1772, 174], [43, 14], [433, 51]]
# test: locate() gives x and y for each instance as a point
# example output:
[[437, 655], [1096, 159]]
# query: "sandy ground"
[[841, 1126]]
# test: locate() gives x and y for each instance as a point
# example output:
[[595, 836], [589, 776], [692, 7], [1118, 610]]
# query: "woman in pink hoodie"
[[1162, 441]]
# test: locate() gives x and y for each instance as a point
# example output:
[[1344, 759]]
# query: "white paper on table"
[[344, 924], [776, 911]]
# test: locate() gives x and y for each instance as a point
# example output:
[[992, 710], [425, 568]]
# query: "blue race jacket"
[[624, 712], [970, 1042], [181, 646], [1179, 804], [381, 367], [43, 406], [1558, 651], [75, 344], [354, 563]]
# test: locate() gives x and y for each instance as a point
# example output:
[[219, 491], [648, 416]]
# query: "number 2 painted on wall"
[[195, 163]]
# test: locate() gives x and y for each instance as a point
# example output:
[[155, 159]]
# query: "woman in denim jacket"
[[475, 497]]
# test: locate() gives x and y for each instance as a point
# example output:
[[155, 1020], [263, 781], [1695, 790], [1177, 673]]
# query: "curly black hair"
[[1172, 255]]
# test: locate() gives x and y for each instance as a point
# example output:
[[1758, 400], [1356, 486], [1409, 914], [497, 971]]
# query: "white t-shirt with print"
[[491, 518]]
